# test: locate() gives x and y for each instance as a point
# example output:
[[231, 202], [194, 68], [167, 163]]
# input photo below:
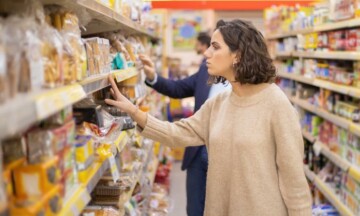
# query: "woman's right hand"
[[121, 102]]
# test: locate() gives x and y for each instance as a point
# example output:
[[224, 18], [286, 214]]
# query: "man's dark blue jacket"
[[195, 85]]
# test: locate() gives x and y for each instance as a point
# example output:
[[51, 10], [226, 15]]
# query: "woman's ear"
[[235, 58]]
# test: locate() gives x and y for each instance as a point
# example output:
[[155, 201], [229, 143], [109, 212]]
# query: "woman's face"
[[219, 57]]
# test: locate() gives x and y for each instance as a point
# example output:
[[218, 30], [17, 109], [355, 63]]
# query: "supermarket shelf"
[[319, 147], [77, 201], [337, 25], [103, 18], [327, 192], [334, 157], [98, 171], [332, 197], [289, 34], [337, 55], [154, 166], [26, 109], [296, 77], [320, 28], [323, 149], [283, 54], [337, 120], [340, 55], [309, 174], [347, 90], [95, 83], [308, 136], [80, 196]]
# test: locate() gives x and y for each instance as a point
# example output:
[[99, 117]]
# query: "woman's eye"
[[215, 47]]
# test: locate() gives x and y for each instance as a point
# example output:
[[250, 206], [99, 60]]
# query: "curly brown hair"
[[254, 65]]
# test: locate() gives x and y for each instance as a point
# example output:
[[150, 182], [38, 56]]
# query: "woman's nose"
[[207, 53]]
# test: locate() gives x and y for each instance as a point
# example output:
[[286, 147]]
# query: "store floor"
[[178, 190]]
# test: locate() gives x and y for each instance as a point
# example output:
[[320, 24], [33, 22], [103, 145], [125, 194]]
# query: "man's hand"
[[149, 67]]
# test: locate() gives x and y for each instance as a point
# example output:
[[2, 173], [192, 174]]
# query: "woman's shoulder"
[[278, 99], [218, 99]]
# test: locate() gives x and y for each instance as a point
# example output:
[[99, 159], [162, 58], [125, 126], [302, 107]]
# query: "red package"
[[351, 39]]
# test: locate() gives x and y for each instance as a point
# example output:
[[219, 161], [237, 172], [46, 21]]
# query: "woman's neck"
[[246, 90]]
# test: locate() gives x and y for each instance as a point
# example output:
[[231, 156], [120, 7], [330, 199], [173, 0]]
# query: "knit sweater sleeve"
[[192, 131], [289, 159]]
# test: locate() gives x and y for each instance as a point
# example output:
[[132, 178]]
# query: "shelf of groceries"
[[316, 51], [25, 109], [42, 104], [318, 28], [63, 150], [343, 89], [335, 139], [328, 192], [323, 149], [337, 55], [105, 16]]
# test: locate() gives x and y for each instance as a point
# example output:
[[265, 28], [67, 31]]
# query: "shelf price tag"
[[52, 101], [355, 173], [130, 208], [119, 142], [354, 128], [114, 168], [317, 148], [120, 75]]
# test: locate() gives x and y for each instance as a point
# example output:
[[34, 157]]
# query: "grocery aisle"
[[178, 190]]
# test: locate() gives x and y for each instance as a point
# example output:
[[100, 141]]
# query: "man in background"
[[195, 160]]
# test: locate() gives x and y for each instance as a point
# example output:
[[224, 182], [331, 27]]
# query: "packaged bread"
[[4, 88], [95, 44], [52, 56], [90, 59], [12, 38], [71, 57], [32, 66]]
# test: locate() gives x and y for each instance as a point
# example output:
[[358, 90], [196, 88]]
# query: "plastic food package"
[[100, 211], [12, 36], [94, 54], [126, 8], [84, 149], [45, 143], [52, 52], [341, 9], [3, 197], [4, 84], [13, 149]]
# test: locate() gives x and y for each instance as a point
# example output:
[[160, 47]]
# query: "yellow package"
[[103, 152], [49, 204], [36, 179], [84, 149]]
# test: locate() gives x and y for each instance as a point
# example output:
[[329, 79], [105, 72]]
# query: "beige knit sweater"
[[255, 150]]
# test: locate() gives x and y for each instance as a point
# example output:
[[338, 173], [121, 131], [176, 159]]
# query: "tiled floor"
[[178, 190]]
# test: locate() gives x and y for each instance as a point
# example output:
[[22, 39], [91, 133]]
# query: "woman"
[[252, 133]]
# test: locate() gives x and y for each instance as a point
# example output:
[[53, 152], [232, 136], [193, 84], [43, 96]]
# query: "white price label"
[[114, 169], [75, 210], [130, 208], [317, 148]]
